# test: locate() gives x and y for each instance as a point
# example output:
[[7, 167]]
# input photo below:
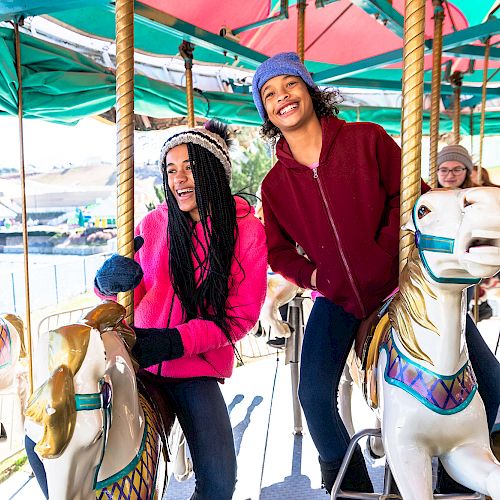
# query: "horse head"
[[457, 234]]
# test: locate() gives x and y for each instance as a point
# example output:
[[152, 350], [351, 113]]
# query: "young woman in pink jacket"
[[199, 276]]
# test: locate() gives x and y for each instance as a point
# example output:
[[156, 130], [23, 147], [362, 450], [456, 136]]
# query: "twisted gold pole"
[[456, 81], [125, 137], [437, 48], [411, 133], [186, 50], [22, 174], [301, 23], [483, 111]]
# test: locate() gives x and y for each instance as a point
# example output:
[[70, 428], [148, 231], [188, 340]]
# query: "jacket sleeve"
[[282, 250], [389, 161], [247, 290]]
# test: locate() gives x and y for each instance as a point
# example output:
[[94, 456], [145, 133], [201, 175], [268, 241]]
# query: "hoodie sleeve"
[[248, 284], [389, 161], [282, 251]]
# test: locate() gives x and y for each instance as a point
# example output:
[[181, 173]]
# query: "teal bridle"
[[439, 244]]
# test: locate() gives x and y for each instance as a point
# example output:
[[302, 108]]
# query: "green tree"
[[251, 166], [160, 197]]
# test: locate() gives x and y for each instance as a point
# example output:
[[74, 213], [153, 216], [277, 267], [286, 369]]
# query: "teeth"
[[184, 191], [287, 109]]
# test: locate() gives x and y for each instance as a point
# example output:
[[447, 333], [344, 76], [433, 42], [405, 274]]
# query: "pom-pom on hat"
[[213, 136], [285, 63], [455, 153]]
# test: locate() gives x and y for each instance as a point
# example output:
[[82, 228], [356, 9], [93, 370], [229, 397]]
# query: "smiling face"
[[287, 102], [181, 181], [451, 174]]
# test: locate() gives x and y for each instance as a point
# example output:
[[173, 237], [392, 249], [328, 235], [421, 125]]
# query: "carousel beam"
[[473, 52], [17, 9], [165, 23], [383, 12], [446, 89], [451, 41]]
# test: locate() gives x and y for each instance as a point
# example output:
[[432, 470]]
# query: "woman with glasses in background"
[[454, 168]]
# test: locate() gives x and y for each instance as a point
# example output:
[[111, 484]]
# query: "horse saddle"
[[149, 388], [364, 357]]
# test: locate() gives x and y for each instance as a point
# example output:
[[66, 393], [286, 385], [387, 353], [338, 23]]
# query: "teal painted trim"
[[446, 89], [323, 3], [456, 281], [451, 41], [473, 51], [415, 394], [127, 469], [88, 401], [283, 14], [435, 243], [385, 12], [19, 9], [258, 24], [157, 20]]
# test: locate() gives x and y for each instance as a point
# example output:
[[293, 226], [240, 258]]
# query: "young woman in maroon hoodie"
[[334, 191]]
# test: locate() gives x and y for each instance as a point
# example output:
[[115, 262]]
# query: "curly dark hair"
[[325, 103]]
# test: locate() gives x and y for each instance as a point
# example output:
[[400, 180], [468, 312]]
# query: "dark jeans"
[[203, 416], [328, 338]]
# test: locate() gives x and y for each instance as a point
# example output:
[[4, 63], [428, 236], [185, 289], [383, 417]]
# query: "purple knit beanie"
[[286, 63]]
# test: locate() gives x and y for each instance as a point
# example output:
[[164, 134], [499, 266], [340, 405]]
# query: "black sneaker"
[[278, 343]]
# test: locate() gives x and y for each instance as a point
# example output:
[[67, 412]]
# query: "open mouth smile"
[[184, 193], [287, 109]]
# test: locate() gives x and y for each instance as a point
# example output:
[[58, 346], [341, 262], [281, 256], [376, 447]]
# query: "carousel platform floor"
[[273, 463]]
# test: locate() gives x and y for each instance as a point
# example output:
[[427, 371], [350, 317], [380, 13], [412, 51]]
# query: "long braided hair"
[[206, 297]]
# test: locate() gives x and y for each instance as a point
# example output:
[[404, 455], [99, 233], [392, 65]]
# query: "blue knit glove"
[[118, 273]]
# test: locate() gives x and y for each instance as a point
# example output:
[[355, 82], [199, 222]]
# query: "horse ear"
[[53, 406]]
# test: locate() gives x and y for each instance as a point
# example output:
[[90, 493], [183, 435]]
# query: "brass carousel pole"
[[437, 48], [481, 140], [483, 110], [186, 50], [411, 126], [301, 21], [125, 137], [22, 174], [456, 81]]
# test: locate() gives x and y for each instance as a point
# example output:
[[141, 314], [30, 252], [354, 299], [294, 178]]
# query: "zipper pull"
[[315, 172]]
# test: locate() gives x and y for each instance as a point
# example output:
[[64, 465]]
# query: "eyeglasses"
[[454, 171]]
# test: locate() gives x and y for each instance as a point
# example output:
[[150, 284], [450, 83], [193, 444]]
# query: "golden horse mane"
[[53, 404], [18, 324], [409, 304]]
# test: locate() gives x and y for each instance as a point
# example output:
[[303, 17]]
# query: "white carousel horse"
[[96, 435], [418, 374], [279, 292], [13, 368]]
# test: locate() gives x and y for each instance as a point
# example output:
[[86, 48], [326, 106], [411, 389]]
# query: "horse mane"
[[18, 324], [53, 403], [409, 304]]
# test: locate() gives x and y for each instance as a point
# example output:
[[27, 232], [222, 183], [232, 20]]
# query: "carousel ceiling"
[[68, 56]]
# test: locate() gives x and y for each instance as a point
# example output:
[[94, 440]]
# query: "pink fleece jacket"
[[207, 351]]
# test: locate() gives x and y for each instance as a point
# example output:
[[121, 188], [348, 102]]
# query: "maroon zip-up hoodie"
[[344, 214]]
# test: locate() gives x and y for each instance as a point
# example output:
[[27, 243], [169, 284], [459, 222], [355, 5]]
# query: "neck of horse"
[[447, 312], [125, 434]]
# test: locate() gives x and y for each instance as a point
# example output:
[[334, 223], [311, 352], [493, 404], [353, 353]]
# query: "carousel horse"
[[279, 292], [415, 372], [97, 436], [13, 369]]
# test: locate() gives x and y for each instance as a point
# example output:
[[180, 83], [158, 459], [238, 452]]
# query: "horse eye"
[[423, 211]]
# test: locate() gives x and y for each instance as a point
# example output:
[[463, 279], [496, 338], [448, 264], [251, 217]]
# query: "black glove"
[[154, 345], [118, 273]]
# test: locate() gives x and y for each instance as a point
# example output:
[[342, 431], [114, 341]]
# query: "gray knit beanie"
[[455, 153]]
